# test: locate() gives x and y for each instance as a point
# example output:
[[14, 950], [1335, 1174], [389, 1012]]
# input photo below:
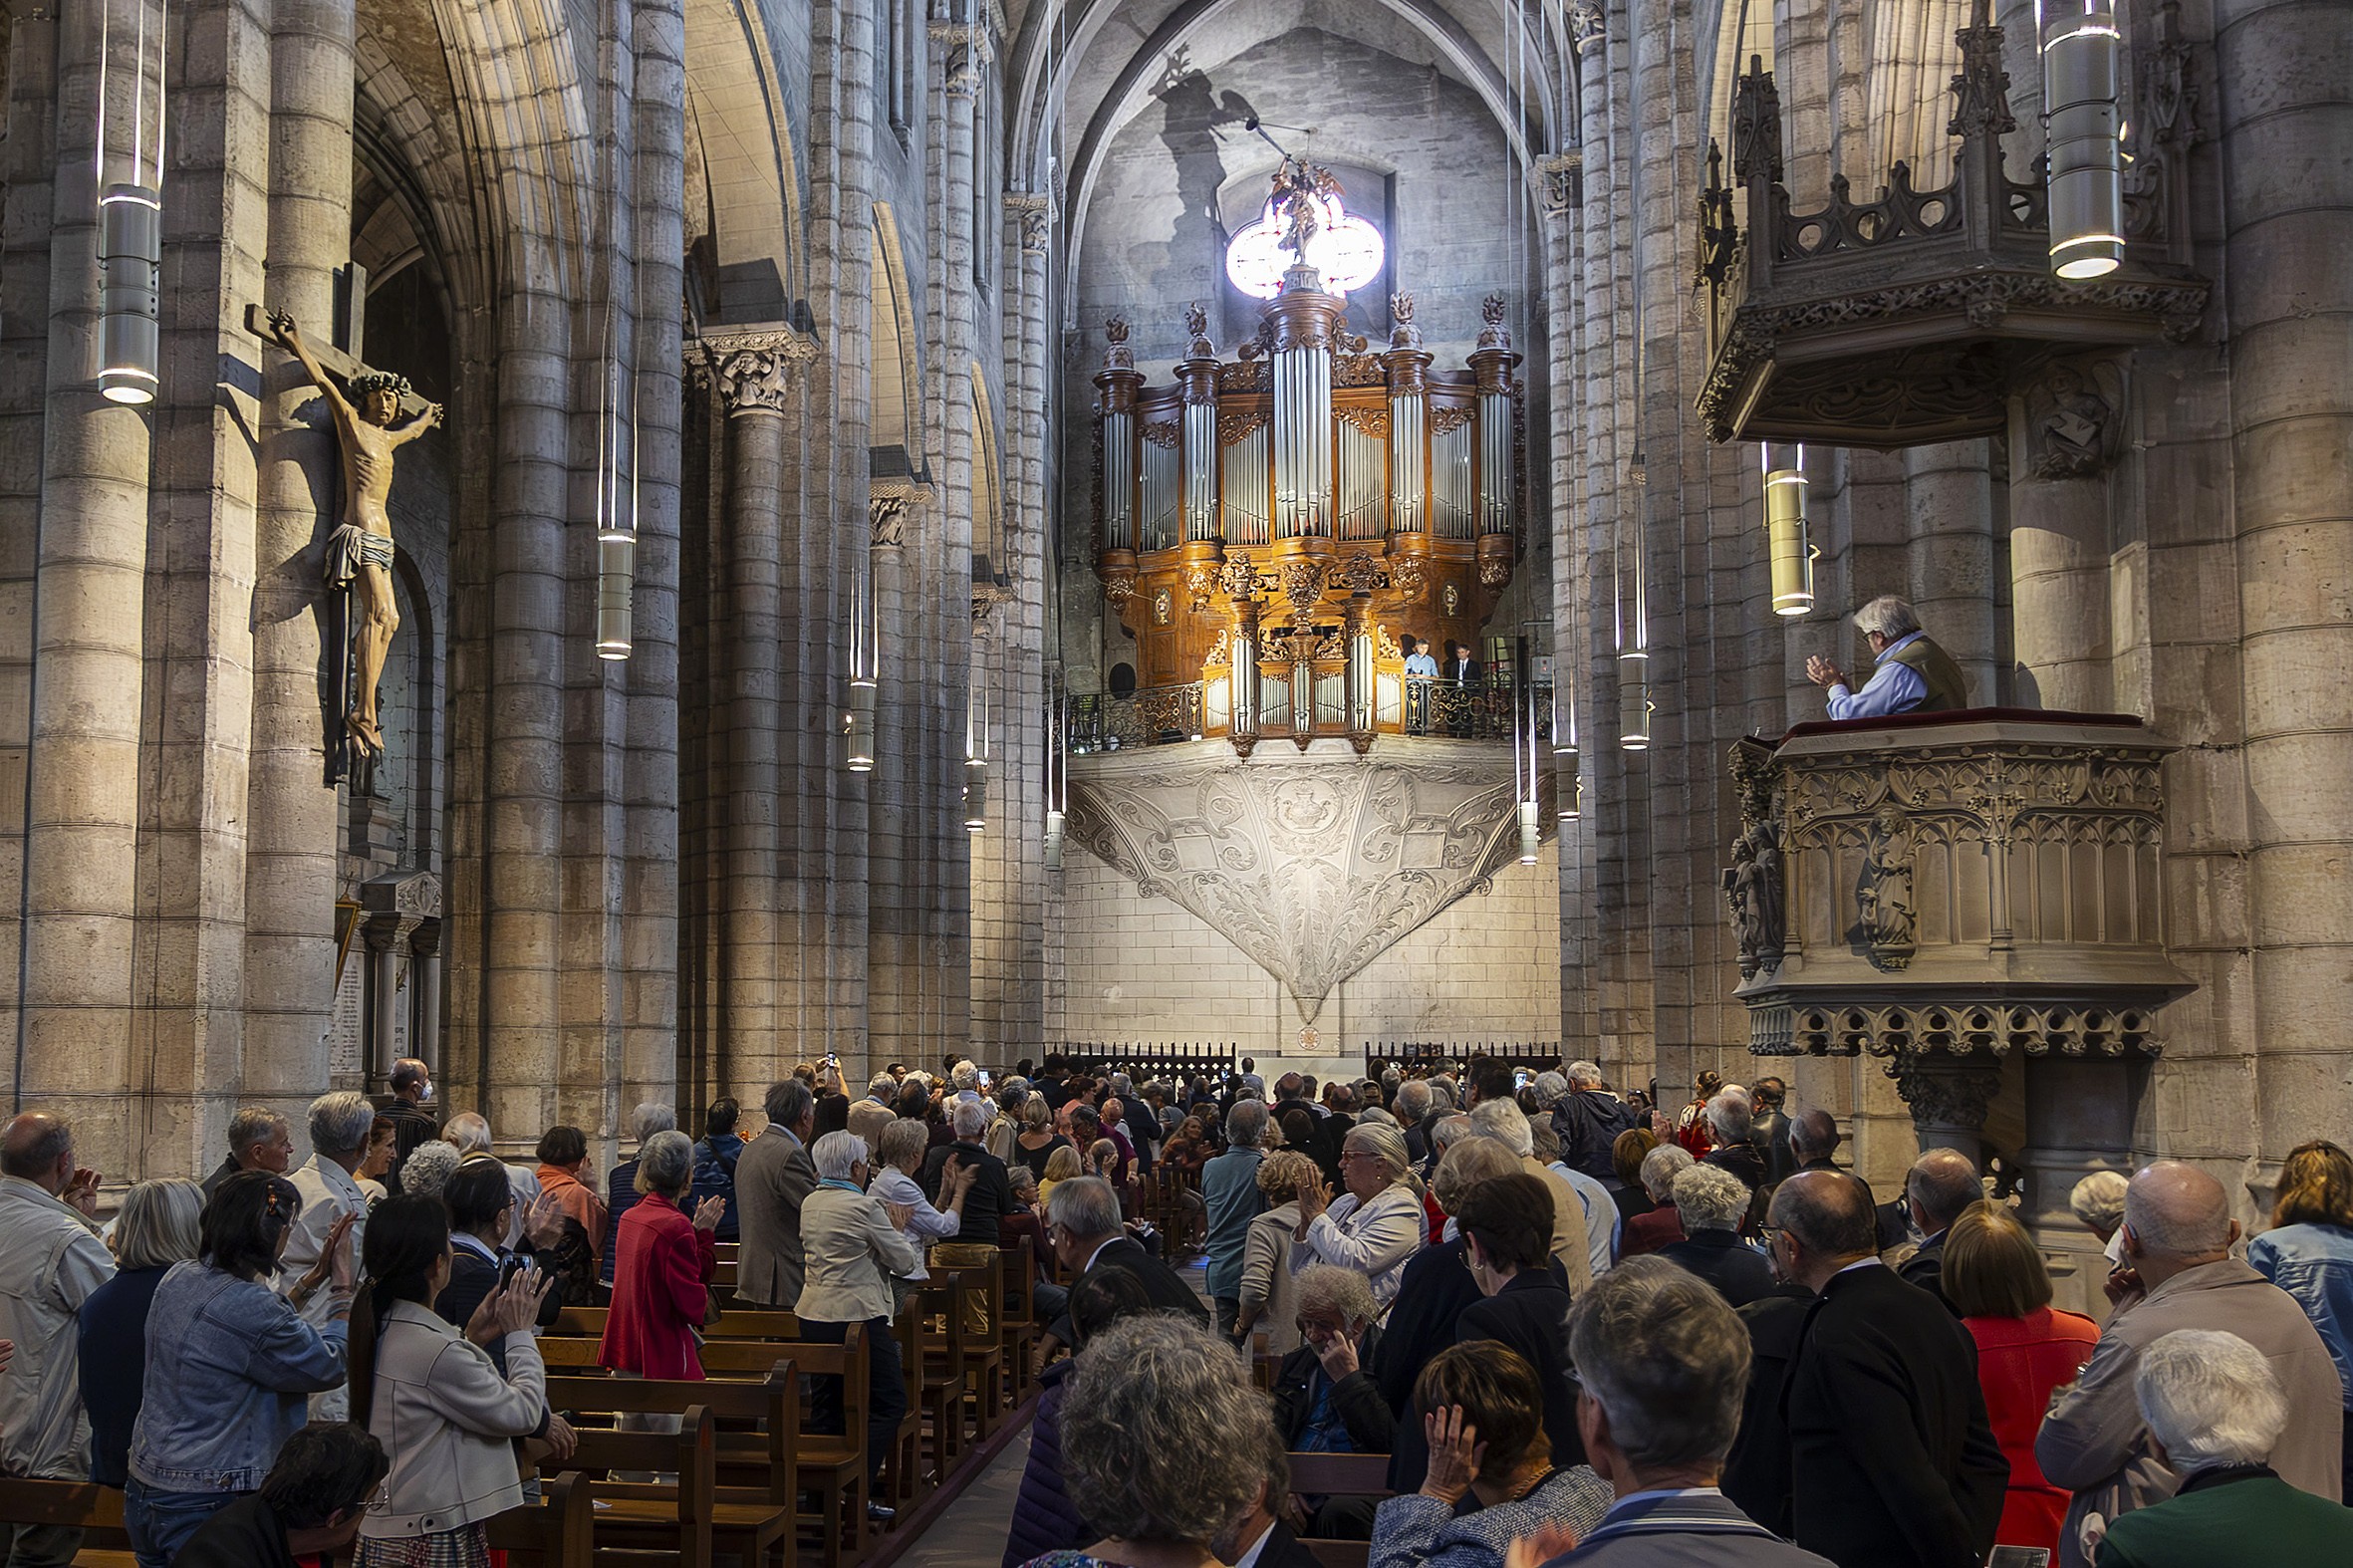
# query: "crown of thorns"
[[379, 380]]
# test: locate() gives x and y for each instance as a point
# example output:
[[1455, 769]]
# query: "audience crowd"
[[1560, 1324]]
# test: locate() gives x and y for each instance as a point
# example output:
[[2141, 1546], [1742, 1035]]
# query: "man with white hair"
[[2178, 1274], [1914, 675], [1712, 1203], [1571, 1249], [341, 1125], [258, 1140], [471, 1133], [1730, 1118], [1588, 1120], [988, 1198], [2215, 1412], [1409, 1104]]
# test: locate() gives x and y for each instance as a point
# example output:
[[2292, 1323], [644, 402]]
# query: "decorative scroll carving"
[[1237, 578], [1945, 1092], [1372, 421], [1312, 869], [1221, 647], [1119, 588], [1200, 582], [2077, 1026], [1163, 434], [1244, 374], [1409, 576], [1445, 422], [1233, 428], [1358, 574], [1359, 369]]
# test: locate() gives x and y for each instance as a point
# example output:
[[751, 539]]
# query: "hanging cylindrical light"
[[1787, 543], [130, 259], [1057, 768], [1568, 780], [975, 794], [858, 725], [617, 551], [1634, 698], [2081, 47]]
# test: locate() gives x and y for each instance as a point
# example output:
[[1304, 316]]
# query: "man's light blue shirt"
[[1422, 666], [1893, 687]]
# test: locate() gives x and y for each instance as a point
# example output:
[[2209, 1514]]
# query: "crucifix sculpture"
[[360, 551]]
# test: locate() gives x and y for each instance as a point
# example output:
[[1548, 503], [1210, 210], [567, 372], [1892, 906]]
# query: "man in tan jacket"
[[2178, 1274], [773, 1178], [1505, 1121]]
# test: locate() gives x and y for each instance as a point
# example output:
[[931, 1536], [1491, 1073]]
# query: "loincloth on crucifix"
[[351, 547]]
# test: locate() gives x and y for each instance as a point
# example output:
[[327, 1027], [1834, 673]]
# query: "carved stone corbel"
[[2071, 427], [886, 514]]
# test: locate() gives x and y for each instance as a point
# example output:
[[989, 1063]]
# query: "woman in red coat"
[[663, 1274], [1994, 1278]]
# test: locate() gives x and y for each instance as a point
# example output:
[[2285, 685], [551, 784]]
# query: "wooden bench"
[[670, 1519], [757, 1442], [558, 1531], [1340, 1475], [94, 1510]]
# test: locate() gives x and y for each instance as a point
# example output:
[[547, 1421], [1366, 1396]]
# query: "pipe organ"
[[1277, 525]]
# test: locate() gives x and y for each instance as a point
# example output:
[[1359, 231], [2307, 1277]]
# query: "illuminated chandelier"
[[1303, 224]]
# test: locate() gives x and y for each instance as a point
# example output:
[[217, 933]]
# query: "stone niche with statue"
[[1974, 898]]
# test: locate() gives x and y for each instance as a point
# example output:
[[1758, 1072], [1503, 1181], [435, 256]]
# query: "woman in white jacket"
[[1375, 1226], [437, 1403]]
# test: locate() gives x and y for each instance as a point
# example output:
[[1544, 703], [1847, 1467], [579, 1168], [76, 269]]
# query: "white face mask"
[[424, 1096]]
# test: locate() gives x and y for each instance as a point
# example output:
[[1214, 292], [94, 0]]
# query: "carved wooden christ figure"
[[360, 551]]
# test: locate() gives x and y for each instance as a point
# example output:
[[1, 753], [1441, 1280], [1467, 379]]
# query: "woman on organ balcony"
[[1914, 675]]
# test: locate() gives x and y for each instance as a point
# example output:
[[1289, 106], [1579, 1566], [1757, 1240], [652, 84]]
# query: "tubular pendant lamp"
[[2081, 46]]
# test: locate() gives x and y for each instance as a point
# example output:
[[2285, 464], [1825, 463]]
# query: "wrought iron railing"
[[1150, 716], [1169, 715]]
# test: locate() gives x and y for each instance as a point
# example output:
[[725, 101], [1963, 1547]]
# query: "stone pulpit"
[[1974, 898]]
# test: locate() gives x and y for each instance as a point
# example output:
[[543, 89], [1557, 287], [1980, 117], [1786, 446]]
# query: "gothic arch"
[[990, 553], [742, 142], [896, 432]]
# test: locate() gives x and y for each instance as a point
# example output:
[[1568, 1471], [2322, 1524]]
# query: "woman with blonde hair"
[[1374, 1225], [2308, 1253], [159, 1226], [1061, 1165], [1270, 1290], [1993, 1275]]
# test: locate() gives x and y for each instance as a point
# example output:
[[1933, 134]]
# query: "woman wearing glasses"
[[1374, 1225]]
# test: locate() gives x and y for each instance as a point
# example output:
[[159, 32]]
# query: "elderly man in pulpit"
[[1914, 675]]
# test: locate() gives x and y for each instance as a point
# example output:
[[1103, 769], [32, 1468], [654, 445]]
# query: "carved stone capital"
[[1561, 173], [1948, 1094], [1585, 25], [754, 369], [886, 515], [1035, 215]]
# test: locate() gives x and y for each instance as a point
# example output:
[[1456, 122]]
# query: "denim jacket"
[[2314, 1264], [230, 1369]]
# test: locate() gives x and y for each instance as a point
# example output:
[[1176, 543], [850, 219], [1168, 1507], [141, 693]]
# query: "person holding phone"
[[482, 1208]]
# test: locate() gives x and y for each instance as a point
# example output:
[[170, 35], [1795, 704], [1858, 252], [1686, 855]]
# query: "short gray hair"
[[342, 1122], [1342, 1290], [1374, 1115], [1245, 1124], [649, 1118], [159, 1224], [1659, 1167], [901, 1139], [1583, 1075], [1156, 1412], [1667, 1359], [1732, 1113], [971, 1118], [468, 1133], [429, 1167], [1412, 1100], [1452, 1128], [2098, 1200], [964, 1076], [1083, 1206], [253, 1126], [1710, 1199], [882, 1083], [1548, 1088], [1889, 616], [836, 1155], [1122, 1085], [2210, 1397], [666, 1164], [1506, 1122], [786, 1103]]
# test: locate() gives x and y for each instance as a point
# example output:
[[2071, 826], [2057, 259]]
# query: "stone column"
[[291, 813], [1948, 1096], [425, 1043], [751, 376], [893, 915], [1948, 509], [387, 939], [2079, 1119], [87, 611], [2062, 433], [2290, 228]]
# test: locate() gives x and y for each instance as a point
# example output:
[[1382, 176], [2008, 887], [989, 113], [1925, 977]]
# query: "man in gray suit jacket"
[[772, 1177], [1663, 1361]]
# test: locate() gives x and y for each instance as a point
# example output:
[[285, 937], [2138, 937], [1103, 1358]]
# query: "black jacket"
[[1283, 1550], [1891, 1457], [411, 1124], [1716, 1256], [1354, 1398], [1588, 1122], [1756, 1472], [1741, 1159], [471, 1279], [1433, 1291], [1530, 1315], [1926, 1268], [986, 1201], [1330, 1133], [1166, 1291]]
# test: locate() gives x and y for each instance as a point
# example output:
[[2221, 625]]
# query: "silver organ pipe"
[[1409, 477], [1119, 480], [1243, 489], [1163, 478], [1201, 470], [1495, 510]]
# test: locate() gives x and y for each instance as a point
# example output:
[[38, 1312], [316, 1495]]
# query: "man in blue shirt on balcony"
[[1914, 675]]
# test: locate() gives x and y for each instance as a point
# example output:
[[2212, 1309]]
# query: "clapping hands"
[[709, 1211]]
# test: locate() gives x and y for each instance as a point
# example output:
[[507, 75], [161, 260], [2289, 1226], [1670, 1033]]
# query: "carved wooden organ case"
[[1303, 508]]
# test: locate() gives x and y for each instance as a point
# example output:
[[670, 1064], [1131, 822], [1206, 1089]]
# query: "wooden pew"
[[757, 1442], [1340, 1475], [85, 1505], [672, 1519], [558, 1531], [1018, 1327]]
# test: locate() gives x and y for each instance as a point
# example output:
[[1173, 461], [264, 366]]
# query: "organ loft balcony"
[[1908, 318]]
